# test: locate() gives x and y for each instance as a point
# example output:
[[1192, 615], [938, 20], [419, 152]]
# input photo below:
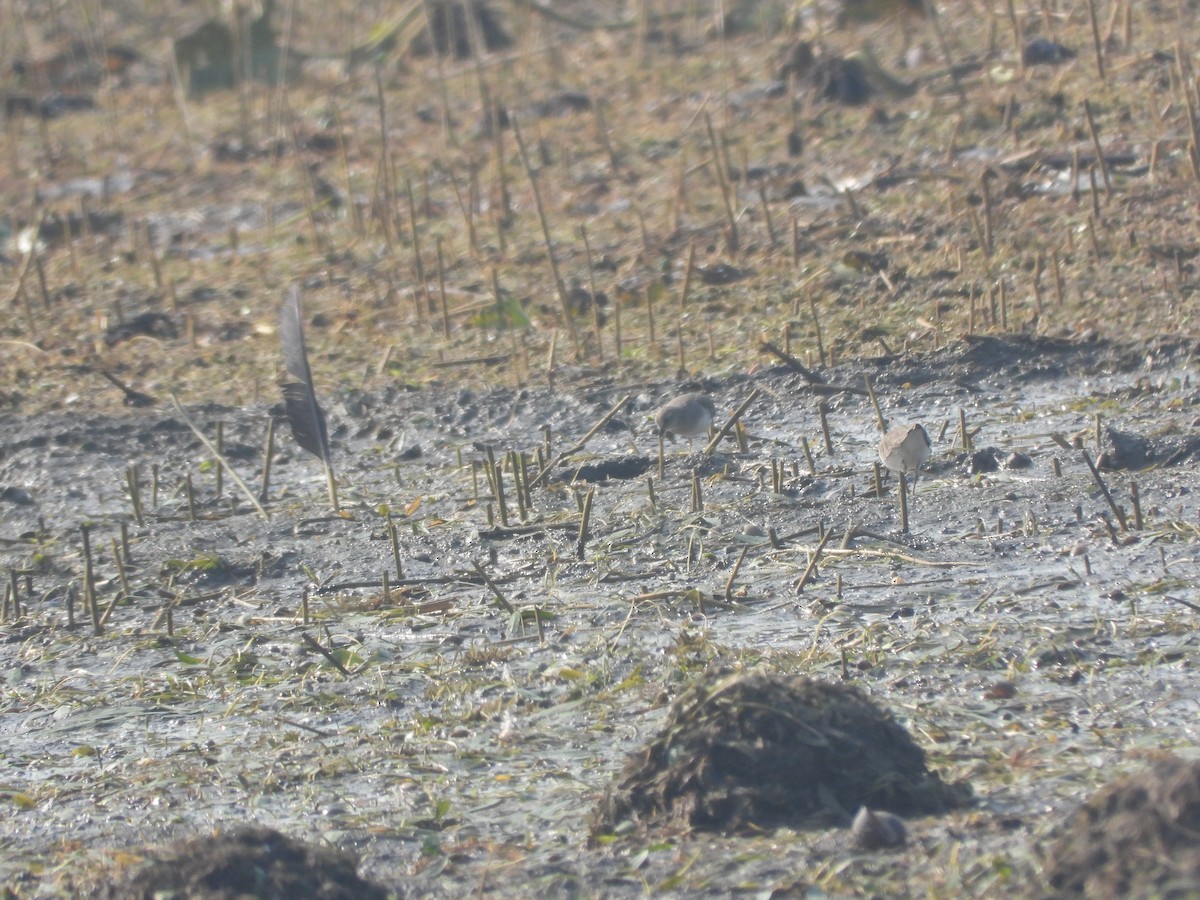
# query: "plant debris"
[[1136, 837], [252, 861], [747, 752]]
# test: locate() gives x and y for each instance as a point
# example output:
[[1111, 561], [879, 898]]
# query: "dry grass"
[[915, 204]]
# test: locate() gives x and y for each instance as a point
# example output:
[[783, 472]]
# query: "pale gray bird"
[[875, 829], [688, 415], [905, 448]]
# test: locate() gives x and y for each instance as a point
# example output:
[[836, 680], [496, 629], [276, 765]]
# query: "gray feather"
[[303, 412]]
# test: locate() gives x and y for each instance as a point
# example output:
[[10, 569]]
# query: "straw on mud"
[[587, 248], [1093, 236], [582, 442], [333, 660], [224, 463], [518, 489], [1015, 26], [851, 531], [496, 478], [559, 286], [823, 413], [1097, 44], [133, 483], [1189, 103], [808, 374], [812, 562], [394, 540], [1135, 500], [877, 479], [697, 493], [733, 574], [988, 217], [220, 447], [1108, 526], [491, 585], [122, 575], [89, 579], [12, 599], [522, 463], [766, 208], [385, 166], [614, 161], [731, 237], [421, 294], [20, 293], [584, 521], [191, 496], [880, 420], [808, 457], [1112, 504], [268, 452], [179, 96], [733, 420], [1100, 160], [688, 271], [466, 208], [124, 587], [650, 493], [441, 263]]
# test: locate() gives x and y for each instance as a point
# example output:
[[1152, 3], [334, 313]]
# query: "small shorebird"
[[688, 415], [875, 829], [905, 448]]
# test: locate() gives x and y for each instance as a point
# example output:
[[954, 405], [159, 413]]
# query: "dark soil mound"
[[1137, 837], [751, 751], [251, 862]]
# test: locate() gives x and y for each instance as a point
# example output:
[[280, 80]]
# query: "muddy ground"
[[986, 216], [460, 748]]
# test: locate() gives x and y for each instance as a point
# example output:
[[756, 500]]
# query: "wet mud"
[[447, 685]]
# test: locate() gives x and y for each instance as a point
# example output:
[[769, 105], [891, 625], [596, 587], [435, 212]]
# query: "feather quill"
[[299, 396]]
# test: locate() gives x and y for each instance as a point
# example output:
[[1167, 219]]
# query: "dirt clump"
[[1135, 837], [249, 862], [745, 752]]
